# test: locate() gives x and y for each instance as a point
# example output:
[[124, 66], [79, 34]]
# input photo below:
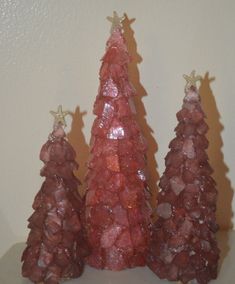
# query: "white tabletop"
[[10, 268]]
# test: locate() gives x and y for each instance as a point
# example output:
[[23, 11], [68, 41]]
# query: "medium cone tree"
[[117, 212], [55, 246], [183, 245]]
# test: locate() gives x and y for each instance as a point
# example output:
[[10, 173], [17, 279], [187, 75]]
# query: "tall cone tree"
[[55, 246], [117, 210], [183, 245]]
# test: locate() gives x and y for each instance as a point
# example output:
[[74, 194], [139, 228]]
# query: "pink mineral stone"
[[128, 198], [164, 210], [124, 240], [182, 259], [110, 235], [138, 237], [108, 110], [183, 115], [113, 163], [186, 228], [120, 215], [202, 128], [173, 272], [188, 149], [176, 144], [110, 89], [197, 116], [177, 184], [98, 107], [123, 108], [91, 197], [114, 260], [107, 197], [166, 254], [101, 215], [45, 153], [191, 96], [116, 131]]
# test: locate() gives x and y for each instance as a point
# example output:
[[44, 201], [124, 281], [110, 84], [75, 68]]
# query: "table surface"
[[10, 268]]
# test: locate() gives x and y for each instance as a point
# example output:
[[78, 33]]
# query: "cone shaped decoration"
[[55, 246], [183, 245], [117, 211]]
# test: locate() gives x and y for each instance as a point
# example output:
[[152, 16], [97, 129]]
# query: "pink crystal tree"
[[183, 245], [117, 212], [55, 245]]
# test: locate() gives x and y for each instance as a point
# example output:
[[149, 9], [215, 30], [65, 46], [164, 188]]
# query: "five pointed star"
[[191, 79], [59, 115], [115, 20]]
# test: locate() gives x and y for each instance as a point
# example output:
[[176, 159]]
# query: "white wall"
[[50, 54]]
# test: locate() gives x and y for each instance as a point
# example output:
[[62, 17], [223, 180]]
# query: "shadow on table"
[[10, 266], [10, 272]]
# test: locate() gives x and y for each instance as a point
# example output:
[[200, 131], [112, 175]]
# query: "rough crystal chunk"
[[113, 163], [188, 149], [110, 235], [164, 210], [177, 184], [110, 89]]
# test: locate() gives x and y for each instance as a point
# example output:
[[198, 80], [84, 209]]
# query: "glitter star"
[[116, 21], [59, 115], [191, 80]]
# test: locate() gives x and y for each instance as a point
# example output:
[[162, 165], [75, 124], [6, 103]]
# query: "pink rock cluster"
[[117, 214], [56, 246], [183, 245]]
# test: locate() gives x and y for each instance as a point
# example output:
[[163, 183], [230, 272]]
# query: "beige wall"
[[50, 54]]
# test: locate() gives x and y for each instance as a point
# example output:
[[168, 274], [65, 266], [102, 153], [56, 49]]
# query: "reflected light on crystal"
[[116, 133], [110, 89], [141, 175], [108, 110]]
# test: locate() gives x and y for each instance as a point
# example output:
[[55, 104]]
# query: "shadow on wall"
[[77, 140], [216, 159], [141, 113]]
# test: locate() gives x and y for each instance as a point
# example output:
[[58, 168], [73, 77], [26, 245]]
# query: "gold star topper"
[[191, 80], [59, 116], [116, 21]]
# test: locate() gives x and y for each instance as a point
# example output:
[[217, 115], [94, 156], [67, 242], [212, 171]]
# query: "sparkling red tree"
[[117, 212], [55, 245], [183, 245]]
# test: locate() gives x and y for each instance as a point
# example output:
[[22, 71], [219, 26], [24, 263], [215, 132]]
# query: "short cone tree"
[[55, 246], [183, 245]]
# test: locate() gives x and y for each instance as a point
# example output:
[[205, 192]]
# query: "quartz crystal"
[[56, 244], [183, 245], [117, 213]]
